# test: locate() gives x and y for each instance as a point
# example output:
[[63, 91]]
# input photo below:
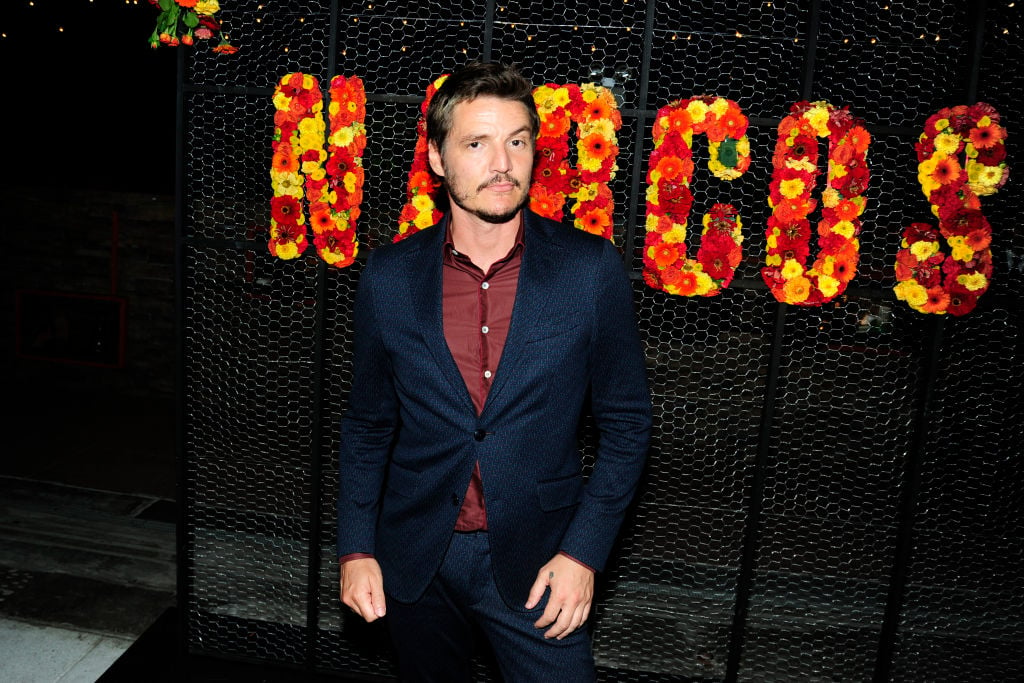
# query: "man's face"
[[487, 160]]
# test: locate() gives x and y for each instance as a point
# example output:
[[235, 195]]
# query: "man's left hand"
[[572, 591]]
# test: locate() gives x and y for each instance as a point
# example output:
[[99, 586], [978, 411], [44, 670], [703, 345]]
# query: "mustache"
[[498, 179]]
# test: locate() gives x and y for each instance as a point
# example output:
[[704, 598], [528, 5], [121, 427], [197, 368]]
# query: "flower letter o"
[[795, 170]]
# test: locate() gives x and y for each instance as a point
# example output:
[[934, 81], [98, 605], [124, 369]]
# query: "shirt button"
[[487, 374], [485, 329], [485, 285], [479, 435]]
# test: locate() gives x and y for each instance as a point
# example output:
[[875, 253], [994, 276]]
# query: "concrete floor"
[[87, 534]]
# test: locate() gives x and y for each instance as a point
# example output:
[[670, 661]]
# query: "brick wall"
[[65, 242]]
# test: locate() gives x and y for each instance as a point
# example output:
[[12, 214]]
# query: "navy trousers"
[[434, 637]]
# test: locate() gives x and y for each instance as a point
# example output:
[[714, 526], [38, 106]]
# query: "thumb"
[[537, 590]]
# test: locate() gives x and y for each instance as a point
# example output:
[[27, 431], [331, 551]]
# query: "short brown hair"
[[477, 79]]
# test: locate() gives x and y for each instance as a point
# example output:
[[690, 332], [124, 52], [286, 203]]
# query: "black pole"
[[752, 528], [182, 493]]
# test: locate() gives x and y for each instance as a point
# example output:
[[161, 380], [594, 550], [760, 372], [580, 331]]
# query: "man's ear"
[[434, 155]]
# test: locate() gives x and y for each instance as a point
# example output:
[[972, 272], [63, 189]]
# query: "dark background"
[[91, 106]]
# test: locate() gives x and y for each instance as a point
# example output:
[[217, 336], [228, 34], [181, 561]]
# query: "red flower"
[[285, 210]]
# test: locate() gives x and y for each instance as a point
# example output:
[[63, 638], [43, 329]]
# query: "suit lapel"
[[533, 298], [424, 278]]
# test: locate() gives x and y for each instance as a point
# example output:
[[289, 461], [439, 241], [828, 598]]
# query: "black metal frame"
[[753, 526]]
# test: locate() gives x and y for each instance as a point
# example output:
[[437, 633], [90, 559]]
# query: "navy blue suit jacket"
[[411, 435]]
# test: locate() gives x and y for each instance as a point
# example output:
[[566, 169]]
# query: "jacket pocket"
[[556, 494], [402, 481]]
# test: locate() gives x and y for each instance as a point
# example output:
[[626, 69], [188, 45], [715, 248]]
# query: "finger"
[[377, 599], [562, 625], [537, 591], [550, 617]]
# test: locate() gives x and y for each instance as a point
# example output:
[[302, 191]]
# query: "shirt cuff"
[[582, 564], [353, 556]]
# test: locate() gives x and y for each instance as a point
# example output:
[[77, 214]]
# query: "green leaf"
[[191, 20], [167, 4], [727, 153]]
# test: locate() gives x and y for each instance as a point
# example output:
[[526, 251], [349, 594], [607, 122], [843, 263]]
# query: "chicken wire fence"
[[833, 493]]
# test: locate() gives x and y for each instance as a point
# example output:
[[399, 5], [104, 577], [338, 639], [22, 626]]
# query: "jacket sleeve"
[[367, 426], [621, 407]]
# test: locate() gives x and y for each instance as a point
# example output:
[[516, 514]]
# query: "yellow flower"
[[961, 252], [984, 121], [316, 171], [424, 219], [587, 192], [828, 285], [791, 188], [792, 269], [604, 127], [207, 7], [423, 203], [698, 110], [801, 164], [836, 171], [704, 283], [973, 281], [720, 106], [844, 228], [947, 143], [287, 184], [941, 125], [281, 101], [773, 260], [651, 222], [912, 292], [773, 240], [343, 136], [983, 179], [817, 117], [561, 96], [307, 82], [350, 181], [677, 235], [652, 194], [830, 197], [287, 251], [924, 249], [743, 146], [544, 96]]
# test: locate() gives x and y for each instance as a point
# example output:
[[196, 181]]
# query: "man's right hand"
[[362, 588]]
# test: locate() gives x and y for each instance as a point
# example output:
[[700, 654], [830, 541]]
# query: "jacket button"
[[455, 500], [479, 435]]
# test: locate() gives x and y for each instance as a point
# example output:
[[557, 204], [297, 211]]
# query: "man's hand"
[[572, 590], [362, 588]]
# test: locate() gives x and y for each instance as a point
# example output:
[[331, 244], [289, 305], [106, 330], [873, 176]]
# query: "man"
[[478, 343]]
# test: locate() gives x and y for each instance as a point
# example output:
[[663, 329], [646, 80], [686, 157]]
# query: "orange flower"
[[321, 221], [984, 137], [598, 109], [847, 210], [978, 239], [665, 254], [797, 289], [284, 161], [595, 222], [859, 138], [678, 121], [946, 171], [554, 126], [687, 283], [669, 167], [937, 302], [597, 146]]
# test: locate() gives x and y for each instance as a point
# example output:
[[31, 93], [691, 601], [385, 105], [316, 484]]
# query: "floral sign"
[[319, 173]]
